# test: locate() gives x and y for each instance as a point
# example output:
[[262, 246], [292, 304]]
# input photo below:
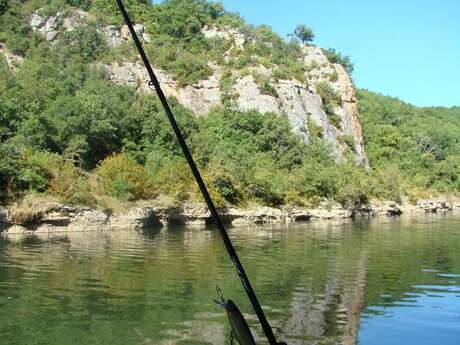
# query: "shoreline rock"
[[62, 218]]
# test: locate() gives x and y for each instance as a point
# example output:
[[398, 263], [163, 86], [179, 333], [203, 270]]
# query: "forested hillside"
[[416, 148], [68, 132]]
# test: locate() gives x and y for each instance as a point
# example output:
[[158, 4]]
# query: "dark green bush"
[[123, 178], [335, 57], [330, 100]]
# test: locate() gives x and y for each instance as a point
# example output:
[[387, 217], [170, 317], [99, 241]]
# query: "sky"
[[406, 49]]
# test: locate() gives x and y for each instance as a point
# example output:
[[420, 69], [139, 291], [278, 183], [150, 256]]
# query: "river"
[[368, 282]]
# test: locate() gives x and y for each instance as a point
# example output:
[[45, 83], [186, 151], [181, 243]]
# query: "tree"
[[304, 34]]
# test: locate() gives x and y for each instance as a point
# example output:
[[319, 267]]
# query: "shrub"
[[334, 76], [123, 178], [314, 181], [335, 57], [173, 177], [315, 131], [268, 89], [228, 94], [330, 99], [387, 183], [84, 43], [353, 185], [223, 183], [70, 185], [60, 178], [29, 209], [268, 183], [349, 141]]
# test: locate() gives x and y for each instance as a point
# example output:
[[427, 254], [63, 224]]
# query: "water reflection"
[[320, 283]]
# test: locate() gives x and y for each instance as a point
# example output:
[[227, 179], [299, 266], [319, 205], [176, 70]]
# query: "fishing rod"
[[199, 180]]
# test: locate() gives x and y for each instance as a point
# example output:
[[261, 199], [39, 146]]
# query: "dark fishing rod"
[[199, 180]]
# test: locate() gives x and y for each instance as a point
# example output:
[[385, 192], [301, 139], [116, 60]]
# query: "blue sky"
[[407, 49]]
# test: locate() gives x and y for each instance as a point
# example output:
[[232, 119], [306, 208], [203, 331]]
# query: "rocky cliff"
[[300, 102]]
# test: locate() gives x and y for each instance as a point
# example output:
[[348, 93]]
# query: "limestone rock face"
[[298, 101], [229, 34], [115, 37], [434, 205], [55, 218], [47, 26], [51, 26]]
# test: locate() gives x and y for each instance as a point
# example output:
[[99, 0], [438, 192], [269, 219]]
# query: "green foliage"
[[304, 34], [265, 85], [330, 99], [108, 12], [187, 67], [84, 43], [335, 57], [173, 177], [334, 76], [228, 94], [349, 141], [123, 178], [14, 27], [267, 89], [418, 144], [63, 123], [315, 132]]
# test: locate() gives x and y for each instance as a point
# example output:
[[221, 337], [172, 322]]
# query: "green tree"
[[304, 34]]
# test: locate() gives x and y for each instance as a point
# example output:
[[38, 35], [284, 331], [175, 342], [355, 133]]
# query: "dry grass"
[[31, 208]]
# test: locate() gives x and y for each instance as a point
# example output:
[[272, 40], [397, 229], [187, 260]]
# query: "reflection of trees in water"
[[310, 279], [163, 282]]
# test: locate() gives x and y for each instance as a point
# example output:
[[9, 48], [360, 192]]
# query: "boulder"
[[433, 205]]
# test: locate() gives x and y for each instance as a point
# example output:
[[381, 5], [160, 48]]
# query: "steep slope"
[[256, 87], [269, 121]]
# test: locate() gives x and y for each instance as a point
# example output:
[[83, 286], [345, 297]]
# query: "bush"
[[267, 89], [84, 43], [228, 94], [349, 141], [353, 185], [335, 57], [70, 185], [330, 99], [268, 182], [123, 178], [173, 177], [387, 183], [223, 183], [60, 178], [312, 182]]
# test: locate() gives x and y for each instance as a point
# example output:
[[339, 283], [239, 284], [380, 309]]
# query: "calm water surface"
[[387, 281]]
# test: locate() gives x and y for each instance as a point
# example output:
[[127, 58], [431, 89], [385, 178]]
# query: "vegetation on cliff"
[[67, 131]]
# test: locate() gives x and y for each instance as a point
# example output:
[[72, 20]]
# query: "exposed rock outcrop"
[[434, 206], [56, 218], [51, 26], [229, 34], [115, 36], [301, 104], [298, 101], [11, 59]]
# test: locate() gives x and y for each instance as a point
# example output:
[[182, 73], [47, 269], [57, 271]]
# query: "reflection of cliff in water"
[[331, 316], [159, 286]]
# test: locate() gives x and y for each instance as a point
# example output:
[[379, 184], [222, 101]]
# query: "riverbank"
[[55, 217]]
